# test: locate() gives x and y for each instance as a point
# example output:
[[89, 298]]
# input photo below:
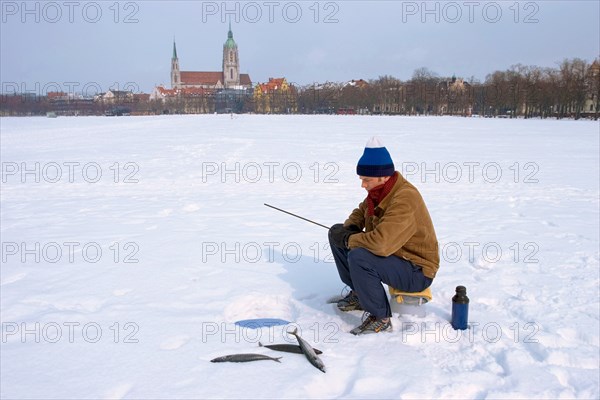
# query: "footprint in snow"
[[549, 223]]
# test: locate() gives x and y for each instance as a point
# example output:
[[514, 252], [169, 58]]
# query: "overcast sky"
[[109, 44]]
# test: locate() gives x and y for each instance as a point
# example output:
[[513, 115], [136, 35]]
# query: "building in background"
[[276, 96], [228, 78], [222, 91]]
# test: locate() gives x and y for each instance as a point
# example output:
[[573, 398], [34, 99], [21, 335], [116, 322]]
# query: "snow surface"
[[515, 204]]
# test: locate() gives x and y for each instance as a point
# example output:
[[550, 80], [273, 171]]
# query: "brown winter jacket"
[[401, 226]]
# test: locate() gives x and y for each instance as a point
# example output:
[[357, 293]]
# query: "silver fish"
[[308, 351], [288, 348], [244, 358]]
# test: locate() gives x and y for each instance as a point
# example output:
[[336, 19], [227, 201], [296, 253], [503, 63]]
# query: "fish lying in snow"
[[244, 358], [288, 348], [308, 351]]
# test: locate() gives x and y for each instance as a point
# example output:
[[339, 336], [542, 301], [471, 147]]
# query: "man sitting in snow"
[[389, 238]]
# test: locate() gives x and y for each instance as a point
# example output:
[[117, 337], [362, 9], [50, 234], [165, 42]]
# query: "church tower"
[[231, 62], [175, 73]]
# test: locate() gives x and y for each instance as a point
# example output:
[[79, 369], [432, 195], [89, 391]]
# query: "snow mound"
[[259, 305]]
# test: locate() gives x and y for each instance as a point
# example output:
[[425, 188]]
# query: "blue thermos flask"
[[460, 308]]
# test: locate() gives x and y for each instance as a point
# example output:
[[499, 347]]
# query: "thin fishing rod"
[[297, 216]]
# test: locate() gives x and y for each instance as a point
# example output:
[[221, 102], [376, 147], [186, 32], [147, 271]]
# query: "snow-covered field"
[[131, 245]]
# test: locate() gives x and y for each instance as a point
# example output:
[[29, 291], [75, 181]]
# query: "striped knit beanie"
[[375, 161]]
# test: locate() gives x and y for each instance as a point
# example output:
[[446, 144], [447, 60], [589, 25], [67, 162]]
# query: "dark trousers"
[[363, 271]]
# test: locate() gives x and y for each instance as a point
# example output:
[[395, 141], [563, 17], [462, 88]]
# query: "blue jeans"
[[363, 271]]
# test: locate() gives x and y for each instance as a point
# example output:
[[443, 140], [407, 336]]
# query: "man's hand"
[[354, 229], [338, 234]]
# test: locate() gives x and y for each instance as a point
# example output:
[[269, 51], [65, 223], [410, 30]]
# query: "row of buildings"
[[226, 90], [229, 90]]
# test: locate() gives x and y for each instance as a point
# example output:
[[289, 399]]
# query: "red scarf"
[[378, 193]]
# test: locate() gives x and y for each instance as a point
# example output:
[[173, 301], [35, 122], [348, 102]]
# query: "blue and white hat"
[[376, 160]]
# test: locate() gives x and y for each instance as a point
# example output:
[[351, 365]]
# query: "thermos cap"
[[461, 290]]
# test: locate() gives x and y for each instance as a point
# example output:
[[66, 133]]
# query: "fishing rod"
[[297, 216]]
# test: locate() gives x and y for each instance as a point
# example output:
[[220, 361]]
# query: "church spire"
[[230, 43], [175, 73], [231, 64]]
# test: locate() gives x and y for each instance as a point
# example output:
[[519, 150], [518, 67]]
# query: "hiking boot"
[[372, 325], [349, 303]]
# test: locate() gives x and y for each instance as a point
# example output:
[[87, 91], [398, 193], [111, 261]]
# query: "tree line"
[[571, 89]]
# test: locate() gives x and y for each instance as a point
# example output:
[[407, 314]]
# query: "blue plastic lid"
[[261, 322]]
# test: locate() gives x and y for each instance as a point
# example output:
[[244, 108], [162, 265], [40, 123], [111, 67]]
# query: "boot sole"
[[358, 332], [350, 308]]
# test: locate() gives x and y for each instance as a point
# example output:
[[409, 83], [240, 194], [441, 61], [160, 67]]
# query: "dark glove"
[[353, 228], [338, 234]]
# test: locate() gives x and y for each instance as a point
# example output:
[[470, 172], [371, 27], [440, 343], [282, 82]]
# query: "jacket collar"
[[399, 183]]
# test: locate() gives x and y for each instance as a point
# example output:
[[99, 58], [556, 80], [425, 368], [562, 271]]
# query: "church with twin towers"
[[228, 78]]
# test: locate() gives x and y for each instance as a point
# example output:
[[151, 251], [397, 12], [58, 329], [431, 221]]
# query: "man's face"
[[370, 182]]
